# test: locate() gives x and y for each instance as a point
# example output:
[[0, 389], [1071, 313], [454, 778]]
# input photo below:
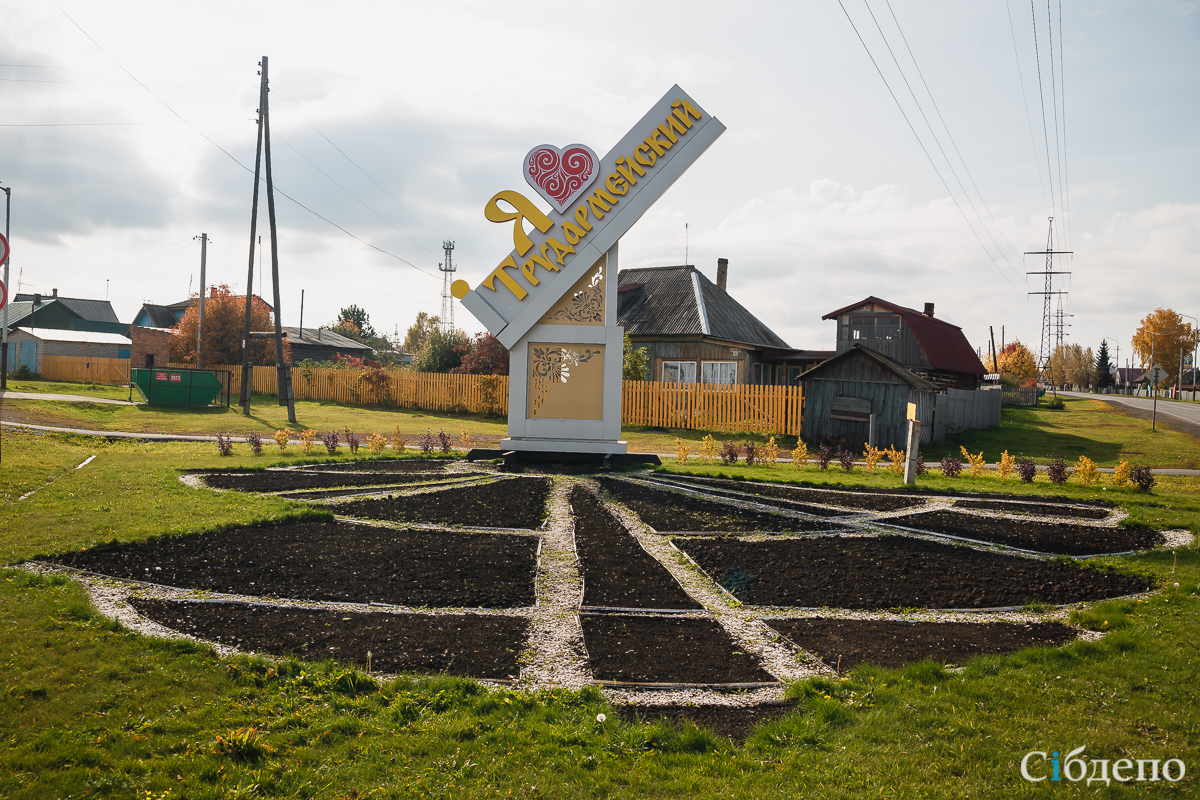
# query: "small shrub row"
[[429, 442]]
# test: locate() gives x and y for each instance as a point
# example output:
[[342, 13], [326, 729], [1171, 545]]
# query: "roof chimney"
[[722, 273], [929, 309], [37, 300], [54, 292]]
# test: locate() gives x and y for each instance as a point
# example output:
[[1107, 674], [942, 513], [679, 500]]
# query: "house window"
[[679, 372], [762, 374], [718, 372], [874, 326]]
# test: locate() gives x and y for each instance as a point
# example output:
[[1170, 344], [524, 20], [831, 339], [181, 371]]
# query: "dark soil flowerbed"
[[1044, 537], [335, 561], [895, 572], [617, 572], [383, 465], [291, 480], [860, 501], [735, 722], [844, 643], [510, 503], [473, 645], [637, 649], [1037, 509], [674, 512]]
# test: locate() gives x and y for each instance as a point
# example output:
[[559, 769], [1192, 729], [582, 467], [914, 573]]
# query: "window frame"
[[681, 368]]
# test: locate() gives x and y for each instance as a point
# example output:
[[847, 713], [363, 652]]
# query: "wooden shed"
[[861, 396]]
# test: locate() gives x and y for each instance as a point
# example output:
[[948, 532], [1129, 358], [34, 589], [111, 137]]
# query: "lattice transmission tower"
[[447, 269], [1047, 345]]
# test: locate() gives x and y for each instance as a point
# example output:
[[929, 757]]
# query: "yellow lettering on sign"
[[545, 263], [648, 158], [628, 168], [581, 215], [523, 209], [505, 278], [573, 234], [598, 206], [667, 132], [661, 146], [560, 248], [676, 125], [527, 271], [616, 184], [686, 108]]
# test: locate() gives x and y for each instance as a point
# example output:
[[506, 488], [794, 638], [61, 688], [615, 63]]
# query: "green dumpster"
[[194, 388]]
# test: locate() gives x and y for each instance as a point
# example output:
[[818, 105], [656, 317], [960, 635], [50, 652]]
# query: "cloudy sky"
[[123, 125]]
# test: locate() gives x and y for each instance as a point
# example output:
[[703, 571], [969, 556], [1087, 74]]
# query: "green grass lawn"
[[88, 709]]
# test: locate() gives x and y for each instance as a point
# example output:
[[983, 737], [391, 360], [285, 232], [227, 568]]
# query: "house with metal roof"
[[322, 344], [152, 315], [28, 346], [930, 347], [694, 331]]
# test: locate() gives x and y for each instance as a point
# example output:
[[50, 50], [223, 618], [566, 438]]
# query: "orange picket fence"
[[84, 369], [738, 408], [691, 406]]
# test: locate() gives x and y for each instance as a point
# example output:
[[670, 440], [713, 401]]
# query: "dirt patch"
[[858, 501], [335, 561], [617, 571], [675, 512], [472, 645], [844, 643], [734, 722], [666, 650], [895, 572], [510, 503], [292, 480], [1027, 534], [382, 465], [1036, 509]]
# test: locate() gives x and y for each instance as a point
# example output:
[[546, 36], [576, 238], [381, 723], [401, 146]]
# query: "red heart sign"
[[561, 175]]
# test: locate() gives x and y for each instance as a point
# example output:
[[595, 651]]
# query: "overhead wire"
[[230, 155], [1037, 159], [1054, 106], [949, 135], [1042, 96], [1062, 88], [924, 149]]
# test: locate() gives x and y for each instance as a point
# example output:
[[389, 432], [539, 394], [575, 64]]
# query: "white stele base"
[[564, 446]]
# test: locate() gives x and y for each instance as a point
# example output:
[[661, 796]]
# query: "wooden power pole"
[[200, 322]]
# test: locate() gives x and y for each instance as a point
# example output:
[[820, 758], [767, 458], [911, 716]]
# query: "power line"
[[923, 148], [1042, 96], [949, 135], [1025, 99], [1062, 87], [230, 155], [113, 124], [928, 125], [1054, 107]]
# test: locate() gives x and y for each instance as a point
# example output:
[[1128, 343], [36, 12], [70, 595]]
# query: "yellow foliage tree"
[[1017, 367], [1160, 339]]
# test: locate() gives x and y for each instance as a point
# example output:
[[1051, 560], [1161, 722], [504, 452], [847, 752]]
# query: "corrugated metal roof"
[[88, 337], [328, 339], [161, 316], [944, 343], [94, 310], [673, 301]]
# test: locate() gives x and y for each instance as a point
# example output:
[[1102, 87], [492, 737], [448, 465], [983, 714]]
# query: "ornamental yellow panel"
[[566, 381], [584, 303]]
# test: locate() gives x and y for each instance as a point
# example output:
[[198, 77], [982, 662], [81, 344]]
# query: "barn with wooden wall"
[[846, 393]]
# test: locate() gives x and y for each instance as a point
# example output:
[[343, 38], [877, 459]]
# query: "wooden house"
[[861, 396], [695, 332], [929, 347]]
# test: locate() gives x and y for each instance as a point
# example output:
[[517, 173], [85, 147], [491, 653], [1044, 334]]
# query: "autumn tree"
[[224, 325], [1070, 363], [414, 338], [354, 323], [483, 355], [1017, 365], [1162, 337], [440, 351], [635, 362]]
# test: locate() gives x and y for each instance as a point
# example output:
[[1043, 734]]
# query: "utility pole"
[[200, 325], [995, 361], [447, 270], [247, 369], [4, 313], [283, 372]]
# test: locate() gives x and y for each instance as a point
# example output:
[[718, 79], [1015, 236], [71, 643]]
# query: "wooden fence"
[[1020, 395], [958, 410], [693, 406], [84, 369], [702, 406]]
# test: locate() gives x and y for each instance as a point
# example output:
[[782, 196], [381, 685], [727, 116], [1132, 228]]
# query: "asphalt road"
[[1182, 416]]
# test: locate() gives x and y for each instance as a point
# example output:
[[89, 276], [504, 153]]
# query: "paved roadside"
[[64, 398], [1181, 416]]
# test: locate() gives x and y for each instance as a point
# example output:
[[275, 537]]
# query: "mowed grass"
[[88, 709], [1089, 428]]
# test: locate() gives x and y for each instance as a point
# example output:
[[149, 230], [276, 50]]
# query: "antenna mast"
[[447, 270]]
